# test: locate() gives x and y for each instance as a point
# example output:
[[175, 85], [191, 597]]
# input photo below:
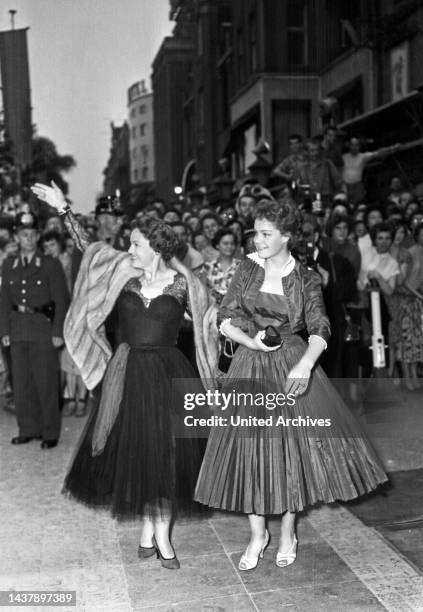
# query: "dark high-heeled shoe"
[[144, 552], [172, 563]]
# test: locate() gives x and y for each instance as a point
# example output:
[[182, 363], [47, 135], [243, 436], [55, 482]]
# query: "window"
[[144, 153], [350, 101], [200, 41], [134, 133], [142, 109], [134, 153], [296, 39], [224, 100], [201, 117], [142, 129], [145, 173], [241, 56], [132, 112], [252, 31], [135, 175]]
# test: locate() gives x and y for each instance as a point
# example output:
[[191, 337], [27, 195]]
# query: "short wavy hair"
[[284, 214], [160, 236], [220, 234]]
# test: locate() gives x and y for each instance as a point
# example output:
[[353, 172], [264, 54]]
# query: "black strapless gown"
[[144, 468]]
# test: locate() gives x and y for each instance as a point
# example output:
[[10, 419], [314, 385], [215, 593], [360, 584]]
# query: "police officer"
[[33, 303], [109, 214]]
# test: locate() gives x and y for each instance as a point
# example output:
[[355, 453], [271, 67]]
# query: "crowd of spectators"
[[353, 244]]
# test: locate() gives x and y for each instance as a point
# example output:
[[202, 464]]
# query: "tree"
[[47, 164]]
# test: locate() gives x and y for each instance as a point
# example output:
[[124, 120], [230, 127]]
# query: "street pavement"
[[345, 562]]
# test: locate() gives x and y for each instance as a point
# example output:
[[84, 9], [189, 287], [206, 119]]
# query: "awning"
[[399, 121]]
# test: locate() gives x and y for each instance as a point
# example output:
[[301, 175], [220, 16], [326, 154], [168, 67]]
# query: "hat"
[[25, 220], [255, 191], [109, 205]]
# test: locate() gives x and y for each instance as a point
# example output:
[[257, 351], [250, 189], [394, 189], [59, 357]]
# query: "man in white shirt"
[[354, 164]]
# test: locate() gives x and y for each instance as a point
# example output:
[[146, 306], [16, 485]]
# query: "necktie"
[[25, 262]]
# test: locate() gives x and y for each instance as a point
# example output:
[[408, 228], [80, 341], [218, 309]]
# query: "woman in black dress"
[[129, 459], [292, 460]]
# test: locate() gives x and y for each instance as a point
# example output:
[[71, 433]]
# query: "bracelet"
[[64, 210]]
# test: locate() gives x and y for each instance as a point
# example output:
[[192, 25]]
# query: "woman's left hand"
[[298, 379], [52, 195]]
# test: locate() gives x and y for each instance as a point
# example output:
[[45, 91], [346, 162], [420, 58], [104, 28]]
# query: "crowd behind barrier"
[[353, 244]]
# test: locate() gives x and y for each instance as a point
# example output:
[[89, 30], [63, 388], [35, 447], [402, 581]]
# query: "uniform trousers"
[[35, 367]]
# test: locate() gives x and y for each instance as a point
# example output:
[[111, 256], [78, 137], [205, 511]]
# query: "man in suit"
[[33, 303]]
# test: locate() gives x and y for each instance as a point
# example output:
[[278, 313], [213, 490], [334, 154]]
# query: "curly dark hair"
[[160, 236], [383, 226], [284, 214], [52, 235], [220, 234]]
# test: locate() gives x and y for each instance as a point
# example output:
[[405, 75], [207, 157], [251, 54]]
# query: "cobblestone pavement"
[[50, 543]]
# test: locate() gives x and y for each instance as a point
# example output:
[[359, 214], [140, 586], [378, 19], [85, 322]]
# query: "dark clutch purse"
[[271, 337], [227, 351]]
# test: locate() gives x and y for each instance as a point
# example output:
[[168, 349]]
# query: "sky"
[[84, 54]]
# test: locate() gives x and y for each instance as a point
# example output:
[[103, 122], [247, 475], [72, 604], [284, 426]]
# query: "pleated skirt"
[[284, 464], [144, 468]]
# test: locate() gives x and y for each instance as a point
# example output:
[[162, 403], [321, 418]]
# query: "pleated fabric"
[[143, 469], [271, 469]]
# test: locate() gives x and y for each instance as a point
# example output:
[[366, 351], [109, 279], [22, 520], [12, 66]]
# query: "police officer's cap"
[[109, 205], [25, 220]]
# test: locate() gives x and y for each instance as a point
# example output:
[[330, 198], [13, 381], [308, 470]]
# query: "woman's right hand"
[[257, 344], [52, 195]]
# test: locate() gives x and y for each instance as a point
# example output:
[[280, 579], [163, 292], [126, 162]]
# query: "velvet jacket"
[[302, 288]]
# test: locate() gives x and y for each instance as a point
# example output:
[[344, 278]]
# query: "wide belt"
[[47, 309]]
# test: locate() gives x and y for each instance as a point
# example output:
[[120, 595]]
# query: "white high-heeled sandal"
[[245, 563], [285, 559]]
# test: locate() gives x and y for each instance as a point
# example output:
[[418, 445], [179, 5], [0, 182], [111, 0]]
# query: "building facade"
[[116, 173], [141, 134], [253, 70]]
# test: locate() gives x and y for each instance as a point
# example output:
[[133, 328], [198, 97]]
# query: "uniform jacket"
[[42, 281], [302, 288]]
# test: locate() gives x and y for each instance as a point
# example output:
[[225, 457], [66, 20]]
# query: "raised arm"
[[55, 198]]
